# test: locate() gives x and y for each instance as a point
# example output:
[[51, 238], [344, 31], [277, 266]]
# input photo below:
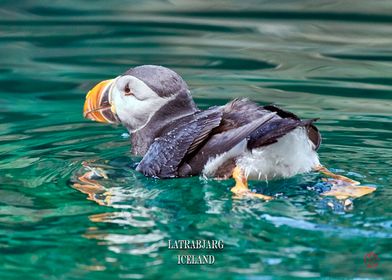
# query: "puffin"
[[240, 140]]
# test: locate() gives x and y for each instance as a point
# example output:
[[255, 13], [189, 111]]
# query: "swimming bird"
[[241, 139]]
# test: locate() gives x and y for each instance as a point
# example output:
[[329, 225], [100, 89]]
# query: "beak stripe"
[[97, 105]]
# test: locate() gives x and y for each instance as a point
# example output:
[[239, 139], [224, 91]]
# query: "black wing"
[[313, 133], [168, 151], [243, 119], [270, 132], [220, 143], [241, 111]]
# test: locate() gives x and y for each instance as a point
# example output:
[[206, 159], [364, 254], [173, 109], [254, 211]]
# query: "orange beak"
[[97, 106]]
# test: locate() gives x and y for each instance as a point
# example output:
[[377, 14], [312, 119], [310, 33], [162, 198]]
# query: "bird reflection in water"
[[88, 184]]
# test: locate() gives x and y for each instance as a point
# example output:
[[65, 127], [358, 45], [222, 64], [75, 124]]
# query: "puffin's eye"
[[127, 90]]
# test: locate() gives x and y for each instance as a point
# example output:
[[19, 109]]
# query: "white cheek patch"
[[136, 110]]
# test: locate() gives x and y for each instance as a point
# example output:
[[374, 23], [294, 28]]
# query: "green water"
[[330, 59]]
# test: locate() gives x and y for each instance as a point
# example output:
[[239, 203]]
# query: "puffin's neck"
[[180, 106]]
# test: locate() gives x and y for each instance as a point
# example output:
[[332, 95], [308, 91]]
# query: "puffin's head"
[[133, 98]]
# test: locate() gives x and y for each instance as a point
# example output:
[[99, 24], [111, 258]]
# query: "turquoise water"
[[330, 59]]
